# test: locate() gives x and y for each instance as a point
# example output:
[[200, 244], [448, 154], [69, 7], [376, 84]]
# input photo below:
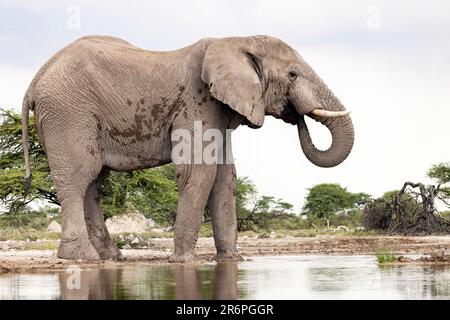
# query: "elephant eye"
[[292, 75]]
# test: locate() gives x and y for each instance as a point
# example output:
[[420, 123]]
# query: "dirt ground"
[[13, 257]]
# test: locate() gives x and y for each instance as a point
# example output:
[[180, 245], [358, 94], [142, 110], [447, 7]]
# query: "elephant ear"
[[231, 68]]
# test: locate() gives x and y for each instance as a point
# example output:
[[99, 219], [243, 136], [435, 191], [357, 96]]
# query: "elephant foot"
[[79, 249], [107, 249], [111, 253], [228, 257], [183, 258]]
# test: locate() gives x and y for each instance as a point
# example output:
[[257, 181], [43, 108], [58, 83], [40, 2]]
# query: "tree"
[[326, 199], [412, 209], [245, 190], [12, 165], [441, 173], [424, 220], [156, 193], [362, 198], [254, 211], [378, 213], [282, 207]]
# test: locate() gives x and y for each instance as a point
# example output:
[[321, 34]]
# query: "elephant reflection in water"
[[95, 284], [188, 284], [225, 281], [153, 283], [417, 282]]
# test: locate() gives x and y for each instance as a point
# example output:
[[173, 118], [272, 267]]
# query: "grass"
[[120, 243], [40, 246], [385, 256], [283, 233], [23, 226], [206, 230], [24, 234]]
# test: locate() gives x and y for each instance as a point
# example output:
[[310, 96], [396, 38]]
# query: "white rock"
[[151, 223], [136, 241], [132, 221], [342, 228], [54, 227]]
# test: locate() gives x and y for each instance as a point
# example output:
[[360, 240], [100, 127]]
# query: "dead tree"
[[425, 219]]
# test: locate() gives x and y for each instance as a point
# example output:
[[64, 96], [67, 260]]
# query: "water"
[[284, 277]]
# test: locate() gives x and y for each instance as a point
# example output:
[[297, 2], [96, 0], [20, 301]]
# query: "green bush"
[[351, 219], [288, 222], [384, 256], [30, 220]]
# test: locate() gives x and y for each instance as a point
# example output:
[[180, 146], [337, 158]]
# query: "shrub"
[[384, 256], [377, 215]]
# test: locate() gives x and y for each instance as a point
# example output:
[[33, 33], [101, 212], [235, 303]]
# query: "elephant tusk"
[[329, 114]]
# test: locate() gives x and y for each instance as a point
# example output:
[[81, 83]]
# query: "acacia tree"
[[441, 173], [424, 220], [324, 200], [412, 209], [253, 210], [12, 167], [378, 213], [152, 191]]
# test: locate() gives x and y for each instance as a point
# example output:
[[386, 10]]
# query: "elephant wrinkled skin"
[[102, 104]]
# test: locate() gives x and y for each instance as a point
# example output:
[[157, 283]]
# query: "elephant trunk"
[[342, 134]]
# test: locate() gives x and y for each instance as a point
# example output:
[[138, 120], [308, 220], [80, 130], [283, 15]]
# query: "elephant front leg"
[[194, 185], [222, 206]]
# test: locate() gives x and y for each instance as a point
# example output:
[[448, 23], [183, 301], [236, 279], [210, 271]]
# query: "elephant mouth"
[[289, 114]]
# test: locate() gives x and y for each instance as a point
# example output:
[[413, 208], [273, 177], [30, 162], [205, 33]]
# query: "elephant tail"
[[28, 103]]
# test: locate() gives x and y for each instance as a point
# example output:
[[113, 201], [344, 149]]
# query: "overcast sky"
[[388, 62]]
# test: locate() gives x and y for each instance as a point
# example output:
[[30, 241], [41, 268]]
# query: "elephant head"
[[261, 75]]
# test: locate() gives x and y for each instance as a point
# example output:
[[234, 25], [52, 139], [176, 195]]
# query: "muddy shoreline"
[[14, 257]]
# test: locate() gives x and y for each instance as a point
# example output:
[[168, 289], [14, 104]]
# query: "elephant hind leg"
[[75, 243], [73, 167], [97, 231]]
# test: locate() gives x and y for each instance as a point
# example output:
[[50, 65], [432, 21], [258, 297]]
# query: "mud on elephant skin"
[[102, 104]]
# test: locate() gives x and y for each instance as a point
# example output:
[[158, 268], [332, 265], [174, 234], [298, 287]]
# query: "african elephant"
[[102, 104]]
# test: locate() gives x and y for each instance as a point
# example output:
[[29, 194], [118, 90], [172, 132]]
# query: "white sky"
[[387, 62]]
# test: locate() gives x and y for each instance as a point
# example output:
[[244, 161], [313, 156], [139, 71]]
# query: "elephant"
[[103, 104]]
